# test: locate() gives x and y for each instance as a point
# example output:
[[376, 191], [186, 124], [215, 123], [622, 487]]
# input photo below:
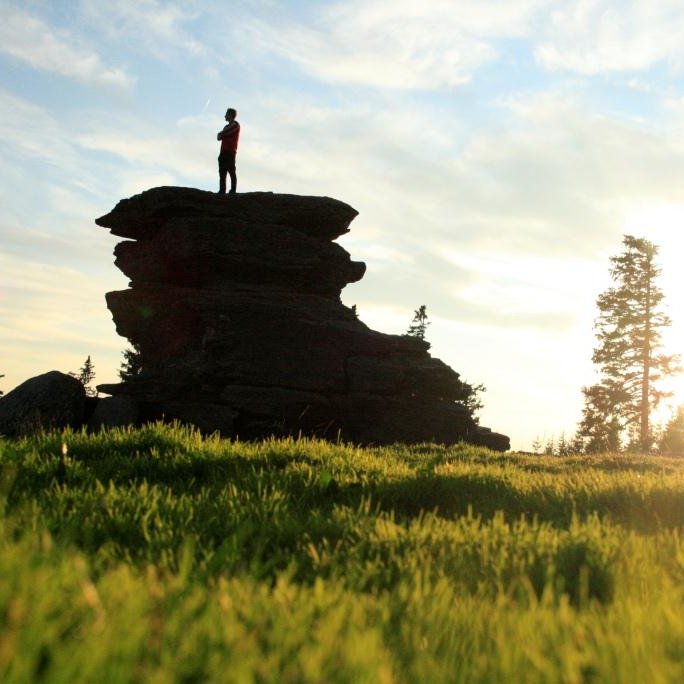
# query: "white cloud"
[[31, 132], [554, 177], [601, 36], [41, 154], [400, 44], [181, 154], [52, 316], [482, 17], [560, 173], [150, 25], [31, 40]]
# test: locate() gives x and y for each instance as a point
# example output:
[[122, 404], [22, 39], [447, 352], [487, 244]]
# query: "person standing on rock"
[[226, 159]]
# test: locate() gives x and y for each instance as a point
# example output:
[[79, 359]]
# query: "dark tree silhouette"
[[600, 428], [471, 398], [131, 366], [628, 354], [1, 392], [470, 394], [85, 376], [419, 324]]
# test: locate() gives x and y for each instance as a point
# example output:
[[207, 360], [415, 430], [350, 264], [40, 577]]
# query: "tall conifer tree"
[[629, 356]]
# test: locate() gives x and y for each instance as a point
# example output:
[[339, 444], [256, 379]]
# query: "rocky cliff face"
[[235, 303]]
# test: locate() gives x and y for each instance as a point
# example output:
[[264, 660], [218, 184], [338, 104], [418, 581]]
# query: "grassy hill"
[[157, 555]]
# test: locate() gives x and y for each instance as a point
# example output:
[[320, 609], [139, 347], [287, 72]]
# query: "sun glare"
[[663, 224]]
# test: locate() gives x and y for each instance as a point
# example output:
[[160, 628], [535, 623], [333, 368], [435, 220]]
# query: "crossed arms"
[[229, 130]]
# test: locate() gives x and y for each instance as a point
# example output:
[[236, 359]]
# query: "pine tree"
[[131, 366], [628, 354], [471, 398], [85, 376], [600, 428], [550, 446], [563, 445], [419, 324], [672, 439], [469, 395]]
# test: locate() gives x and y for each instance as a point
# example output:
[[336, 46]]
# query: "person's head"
[[230, 114]]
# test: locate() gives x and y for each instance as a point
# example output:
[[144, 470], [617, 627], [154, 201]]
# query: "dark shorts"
[[226, 162]]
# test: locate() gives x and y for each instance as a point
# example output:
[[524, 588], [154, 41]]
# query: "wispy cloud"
[[30, 131], [603, 36], [31, 40], [401, 44], [146, 25], [52, 316]]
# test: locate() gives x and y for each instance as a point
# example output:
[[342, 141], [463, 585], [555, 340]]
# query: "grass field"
[[157, 555]]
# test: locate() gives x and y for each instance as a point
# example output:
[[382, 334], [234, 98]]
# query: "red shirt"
[[229, 137]]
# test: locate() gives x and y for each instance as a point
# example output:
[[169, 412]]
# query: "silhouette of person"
[[226, 159]]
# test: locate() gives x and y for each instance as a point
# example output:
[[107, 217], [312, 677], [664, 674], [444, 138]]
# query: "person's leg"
[[223, 170], [232, 172]]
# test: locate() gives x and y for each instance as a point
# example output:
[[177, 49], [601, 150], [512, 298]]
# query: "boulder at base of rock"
[[51, 400]]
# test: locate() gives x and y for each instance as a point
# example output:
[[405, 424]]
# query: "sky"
[[497, 152]]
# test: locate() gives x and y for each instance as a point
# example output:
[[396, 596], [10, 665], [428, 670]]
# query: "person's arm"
[[228, 130]]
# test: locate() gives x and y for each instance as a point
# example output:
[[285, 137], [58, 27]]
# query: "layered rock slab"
[[235, 304]]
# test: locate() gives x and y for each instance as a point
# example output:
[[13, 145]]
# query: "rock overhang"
[[140, 216]]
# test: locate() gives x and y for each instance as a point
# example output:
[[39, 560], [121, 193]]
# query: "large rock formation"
[[235, 304]]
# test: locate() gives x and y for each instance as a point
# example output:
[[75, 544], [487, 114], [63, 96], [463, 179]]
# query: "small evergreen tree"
[[562, 446], [469, 395], [556, 446], [471, 398], [419, 324], [576, 444], [628, 353], [85, 376], [131, 366], [550, 446], [672, 439]]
